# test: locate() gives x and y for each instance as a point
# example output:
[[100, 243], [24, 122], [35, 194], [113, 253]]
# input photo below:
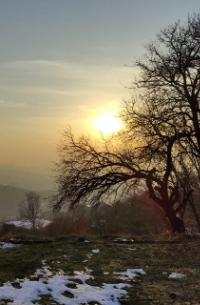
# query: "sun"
[[107, 123]]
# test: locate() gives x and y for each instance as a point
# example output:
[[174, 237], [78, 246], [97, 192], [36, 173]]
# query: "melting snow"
[[106, 272], [4, 245], [95, 251], [130, 274], [57, 285], [177, 276]]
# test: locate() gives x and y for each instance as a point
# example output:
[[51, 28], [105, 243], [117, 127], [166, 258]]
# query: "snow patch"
[[4, 245], [177, 276], [130, 274], [95, 251], [58, 284]]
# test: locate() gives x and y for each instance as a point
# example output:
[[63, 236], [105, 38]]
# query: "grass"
[[157, 260]]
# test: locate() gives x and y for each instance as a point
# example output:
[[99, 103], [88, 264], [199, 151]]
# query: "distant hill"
[[10, 197], [32, 178]]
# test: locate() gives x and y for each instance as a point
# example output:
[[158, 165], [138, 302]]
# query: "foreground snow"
[[64, 289]]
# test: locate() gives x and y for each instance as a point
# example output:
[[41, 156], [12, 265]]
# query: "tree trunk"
[[175, 221], [195, 213], [173, 218]]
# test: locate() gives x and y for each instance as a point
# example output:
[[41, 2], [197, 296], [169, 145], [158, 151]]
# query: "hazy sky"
[[63, 62]]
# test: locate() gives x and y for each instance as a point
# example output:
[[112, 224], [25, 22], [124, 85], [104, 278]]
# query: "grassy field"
[[68, 254]]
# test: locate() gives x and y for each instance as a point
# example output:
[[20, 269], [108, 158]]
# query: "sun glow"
[[107, 123]]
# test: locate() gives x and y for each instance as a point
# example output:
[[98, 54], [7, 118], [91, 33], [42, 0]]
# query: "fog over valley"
[[32, 178], [16, 181]]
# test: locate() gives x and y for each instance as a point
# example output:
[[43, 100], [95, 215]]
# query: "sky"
[[64, 62]]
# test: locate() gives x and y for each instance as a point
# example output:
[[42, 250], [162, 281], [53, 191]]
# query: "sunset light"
[[100, 137], [107, 123]]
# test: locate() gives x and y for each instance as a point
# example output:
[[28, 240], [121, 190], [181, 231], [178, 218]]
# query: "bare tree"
[[91, 174], [170, 78], [162, 128], [30, 208]]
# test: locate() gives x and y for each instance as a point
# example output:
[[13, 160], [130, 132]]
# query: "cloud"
[[59, 84], [76, 72], [11, 104]]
